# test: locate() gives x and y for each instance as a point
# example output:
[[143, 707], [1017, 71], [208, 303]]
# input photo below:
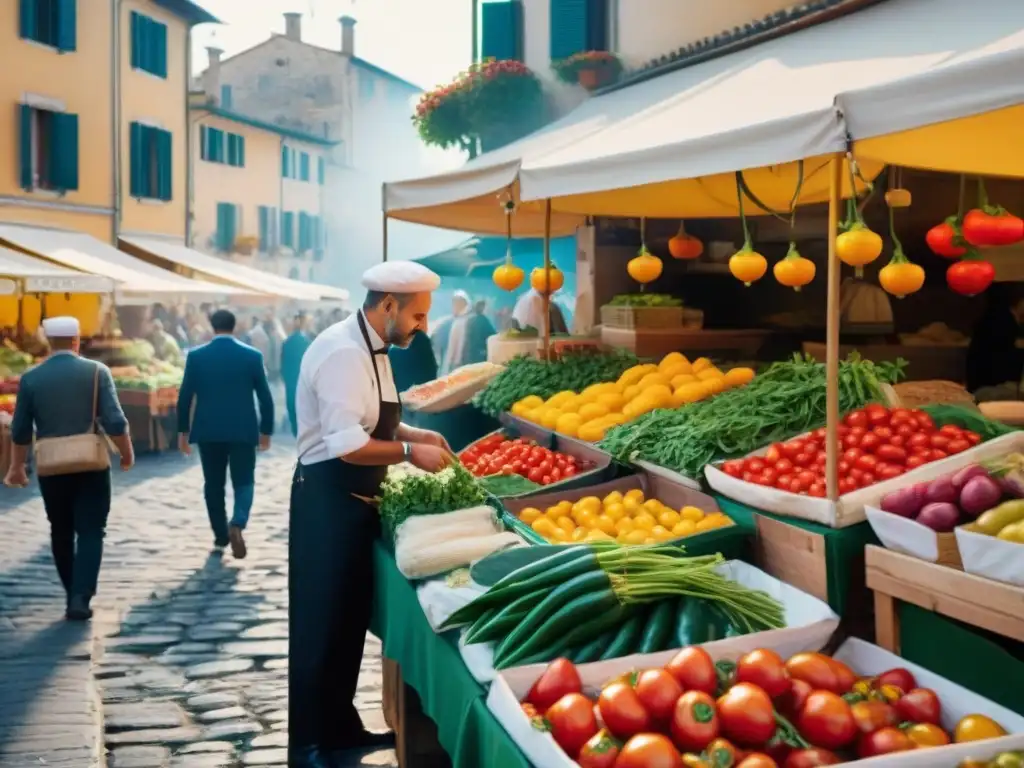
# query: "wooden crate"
[[793, 555], [657, 342], [980, 602], [646, 317]]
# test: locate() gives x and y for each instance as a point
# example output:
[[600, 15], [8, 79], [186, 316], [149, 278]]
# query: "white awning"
[[231, 273], [136, 280], [39, 276]]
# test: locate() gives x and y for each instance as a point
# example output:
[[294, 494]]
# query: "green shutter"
[[502, 24], [304, 166], [137, 165], [204, 153], [264, 218], [160, 48], [216, 139], [288, 229], [225, 96], [66, 24], [164, 165], [569, 28], [321, 170], [226, 217], [136, 40], [284, 161], [27, 20], [65, 151], [241, 151], [231, 149], [25, 147]]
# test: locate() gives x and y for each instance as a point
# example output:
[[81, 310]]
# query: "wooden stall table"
[[6, 447], [965, 627], [148, 413]]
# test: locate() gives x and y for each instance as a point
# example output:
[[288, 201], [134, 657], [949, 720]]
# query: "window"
[[578, 25], [321, 171], [286, 157], [217, 146], [502, 28], [48, 149], [366, 85], [149, 45], [268, 228], [288, 229], [304, 166], [229, 222], [151, 166], [236, 150], [50, 22], [225, 96], [293, 273]]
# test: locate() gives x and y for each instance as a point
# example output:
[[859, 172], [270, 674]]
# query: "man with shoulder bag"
[[67, 400]]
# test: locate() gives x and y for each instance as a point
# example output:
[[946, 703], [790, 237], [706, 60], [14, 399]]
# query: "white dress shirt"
[[336, 402]]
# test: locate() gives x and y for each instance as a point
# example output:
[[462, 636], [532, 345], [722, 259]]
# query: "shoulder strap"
[[95, 395]]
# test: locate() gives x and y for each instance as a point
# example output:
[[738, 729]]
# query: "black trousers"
[[217, 459], [330, 590], [77, 506]]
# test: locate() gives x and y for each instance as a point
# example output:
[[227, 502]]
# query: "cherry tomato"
[[889, 471], [569, 471], [957, 446], [845, 678], [935, 454], [846, 485], [784, 482], [649, 750], [694, 721], [572, 722], [814, 669], [600, 752], [733, 468], [621, 710], [849, 441], [556, 475], [773, 454], [920, 705], [869, 716], [811, 758], [972, 437], [756, 465], [826, 720], [883, 742], [856, 419], [924, 420], [559, 678], [867, 479], [877, 415], [802, 459], [939, 441], [817, 491], [927, 735], [869, 443], [851, 455], [906, 430], [783, 466], [769, 476], [658, 692], [915, 461], [898, 440], [765, 669], [882, 433], [899, 677], [546, 480], [867, 463], [757, 760], [694, 669], [792, 448], [891, 454], [746, 715]]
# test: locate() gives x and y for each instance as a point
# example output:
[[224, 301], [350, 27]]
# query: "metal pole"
[[547, 279], [385, 233], [832, 331]]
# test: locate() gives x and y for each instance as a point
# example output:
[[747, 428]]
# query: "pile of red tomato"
[[497, 454], [760, 712], [878, 444]]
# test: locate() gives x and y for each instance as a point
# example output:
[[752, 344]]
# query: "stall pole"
[[547, 279], [384, 239], [835, 168]]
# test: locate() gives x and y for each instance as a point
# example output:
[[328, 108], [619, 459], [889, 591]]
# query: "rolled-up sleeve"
[[109, 412], [343, 392]]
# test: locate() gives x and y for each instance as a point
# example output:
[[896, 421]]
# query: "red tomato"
[[898, 440], [969, 277], [850, 440], [535, 475], [982, 228], [755, 466], [658, 692], [919, 439], [757, 760], [815, 669], [846, 485], [649, 750], [803, 459], [746, 715], [899, 677], [694, 669], [556, 681], [856, 419], [765, 669], [924, 421], [866, 479], [939, 441], [769, 476], [733, 468], [972, 437], [935, 454], [869, 716], [943, 241], [600, 752], [784, 483], [915, 461], [783, 466], [957, 446], [826, 721], [920, 705], [774, 453], [811, 758], [906, 430], [792, 448], [882, 433], [870, 443], [845, 678], [889, 471], [883, 742], [817, 490], [878, 415], [793, 700], [891, 453], [569, 471], [621, 710], [867, 463], [694, 721], [851, 455], [572, 722]]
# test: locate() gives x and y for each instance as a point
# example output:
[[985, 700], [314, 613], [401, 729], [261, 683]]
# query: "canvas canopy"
[[39, 276]]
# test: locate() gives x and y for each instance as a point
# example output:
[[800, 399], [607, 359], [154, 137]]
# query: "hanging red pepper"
[[991, 225], [947, 239]]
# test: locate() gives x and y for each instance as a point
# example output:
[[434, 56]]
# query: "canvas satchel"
[[87, 452]]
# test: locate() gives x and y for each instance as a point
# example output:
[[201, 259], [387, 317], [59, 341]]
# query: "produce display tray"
[[456, 395], [668, 474], [512, 685], [850, 508], [730, 541], [912, 538], [990, 557], [539, 433]]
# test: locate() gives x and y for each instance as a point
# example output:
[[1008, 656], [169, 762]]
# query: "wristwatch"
[[407, 451]]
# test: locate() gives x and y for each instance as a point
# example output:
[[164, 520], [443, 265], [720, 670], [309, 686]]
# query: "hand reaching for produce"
[[431, 458]]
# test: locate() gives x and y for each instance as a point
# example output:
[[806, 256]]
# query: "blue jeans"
[[217, 459]]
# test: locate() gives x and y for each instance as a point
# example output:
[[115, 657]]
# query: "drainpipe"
[[280, 199], [188, 140], [115, 115]]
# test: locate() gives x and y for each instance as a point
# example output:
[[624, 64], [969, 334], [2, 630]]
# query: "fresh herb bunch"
[[406, 494], [645, 300], [528, 376], [786, 400]]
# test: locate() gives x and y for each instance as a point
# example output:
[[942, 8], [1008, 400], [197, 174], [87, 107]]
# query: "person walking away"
[[529, 313], [220, 379], [66, 398], [479, 329], [292, 351], [350, 431], [440, 334], [165, 346]]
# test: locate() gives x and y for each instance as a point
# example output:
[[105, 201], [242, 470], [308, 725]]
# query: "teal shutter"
[[231, 149], [27, 20], [164, 165], [216, 139], [226, 217], [287, 229], [25, 147], [263, 214], [303, 245], [159, 40], [65, 151], [136, 33], [137, 163], [241, 151], [284, 162], [502, 24], [321, 170], [66, 24], [204, 153], [569, 28], [225, 96], [304, 166]]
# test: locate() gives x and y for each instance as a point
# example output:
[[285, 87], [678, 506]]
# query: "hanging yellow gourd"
[[549, 283], [684, 246], [900, 277], [857, 245], [794, 271], [508, 277], [746, 265], [897, 196], [645, 267], [31, 313]]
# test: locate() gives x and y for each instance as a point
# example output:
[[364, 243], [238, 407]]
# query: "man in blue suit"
[[221, 378]]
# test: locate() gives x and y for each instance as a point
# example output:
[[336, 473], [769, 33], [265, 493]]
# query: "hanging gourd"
[[857, 245], [947, 239], [897, 196], [793, 270], [900, 277], [746, 265], [991, 225], [645, 267], [548, 282], [508, 276], [684, 246]]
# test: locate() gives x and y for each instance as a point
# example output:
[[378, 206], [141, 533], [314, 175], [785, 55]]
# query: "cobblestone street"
[[185, 661]]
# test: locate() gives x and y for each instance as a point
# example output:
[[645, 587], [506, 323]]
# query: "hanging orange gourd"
[[794, 271], [746, 264], [645, 267], [684, 246], [549, 282], [857, 245], [508, 276], [900, 277]]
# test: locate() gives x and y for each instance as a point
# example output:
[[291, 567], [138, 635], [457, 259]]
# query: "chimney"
[[211, 78], [293, 26], [348, 36]]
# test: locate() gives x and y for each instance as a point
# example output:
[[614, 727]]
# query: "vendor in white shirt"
[[350, 431]]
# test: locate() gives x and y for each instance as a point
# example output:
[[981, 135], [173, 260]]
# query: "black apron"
[[330, 586]]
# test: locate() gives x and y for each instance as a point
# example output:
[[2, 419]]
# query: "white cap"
[[61, 327], [400, 277], [461, 294]]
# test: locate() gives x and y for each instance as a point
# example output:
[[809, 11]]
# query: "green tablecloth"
[[431, 664]]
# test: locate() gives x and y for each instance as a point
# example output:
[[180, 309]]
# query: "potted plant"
[[246, 245], [591, 69]]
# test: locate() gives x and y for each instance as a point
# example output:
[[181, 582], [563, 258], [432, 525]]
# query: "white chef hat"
[[461, 294], [400, 277], [61, 327]]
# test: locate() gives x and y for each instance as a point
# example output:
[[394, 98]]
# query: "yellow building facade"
[[94, 115]]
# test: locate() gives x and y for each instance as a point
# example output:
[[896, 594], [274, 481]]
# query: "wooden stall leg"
[[391, 686], [887, 623], [416, 744]]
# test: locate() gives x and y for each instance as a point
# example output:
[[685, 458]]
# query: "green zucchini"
[[489, 570], [657, 632], [495, 625], [719, 624], [628, 634], [692, 622], [488, 615], [584, 583], [592, 651]]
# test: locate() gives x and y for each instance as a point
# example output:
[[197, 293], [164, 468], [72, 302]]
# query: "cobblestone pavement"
[[185, 662]]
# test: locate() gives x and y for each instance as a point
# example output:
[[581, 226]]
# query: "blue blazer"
[[222, 376]]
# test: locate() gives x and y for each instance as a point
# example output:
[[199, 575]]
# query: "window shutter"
[[287, 233], [231, 149], [27, 20], [241, 151], [502, 24], [225, 96], [25, 148], [264, 223], [321, 170], [164, 165], [284, 162], [136, 40], [216, 137], [304, 166], [66, 24], [159, 40], [275, 226], [137, 164], [65, 150], [569, 27], [203, 150]]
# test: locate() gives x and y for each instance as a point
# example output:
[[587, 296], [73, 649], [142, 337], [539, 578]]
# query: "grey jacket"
[[55, 398]]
